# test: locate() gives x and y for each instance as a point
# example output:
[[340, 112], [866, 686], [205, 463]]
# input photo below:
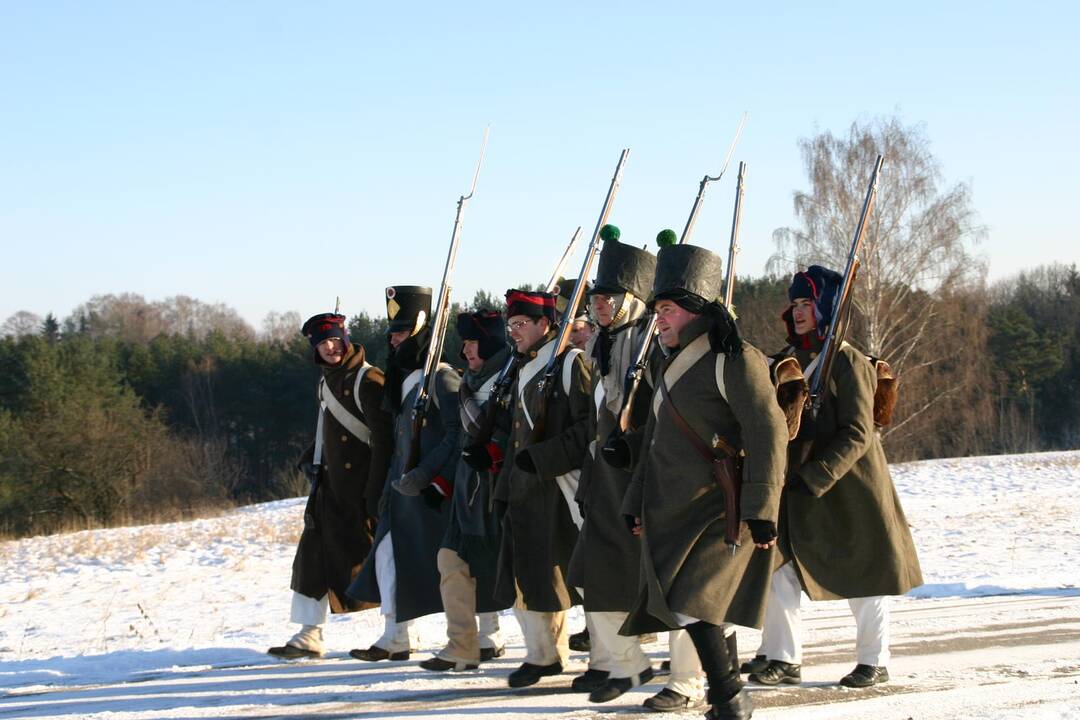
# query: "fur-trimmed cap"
[[530, 304], [821, 286], [323, 326], [487, 328]]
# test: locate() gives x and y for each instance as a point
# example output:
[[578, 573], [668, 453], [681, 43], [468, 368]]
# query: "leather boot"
[[725, 693]]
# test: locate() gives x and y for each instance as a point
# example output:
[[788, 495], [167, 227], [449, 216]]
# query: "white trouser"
[[781, 638], [309, 611], [619, 655], [546, 641], [489, 633], [687, 677], [396, 636]]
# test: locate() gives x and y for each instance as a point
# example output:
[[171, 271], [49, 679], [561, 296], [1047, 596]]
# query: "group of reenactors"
[[529, 493]]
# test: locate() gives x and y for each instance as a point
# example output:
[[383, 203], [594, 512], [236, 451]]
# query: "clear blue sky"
[[272, 155]]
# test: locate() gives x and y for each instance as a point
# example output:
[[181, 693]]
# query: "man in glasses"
[[537, 484]]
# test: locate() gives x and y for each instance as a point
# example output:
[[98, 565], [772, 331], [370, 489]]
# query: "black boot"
[[733, 652], [725, 694]]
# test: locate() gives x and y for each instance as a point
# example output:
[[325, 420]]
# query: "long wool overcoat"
[[417, 529], [607, 558], [538, 528], [848, 536], [338, 519], [473, 531], [686, 567]]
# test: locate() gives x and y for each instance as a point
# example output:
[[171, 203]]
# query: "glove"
[[616, 453], [477, 457], [412, 482], [432, 497], [632, 523], [523, 460], [763, 531]]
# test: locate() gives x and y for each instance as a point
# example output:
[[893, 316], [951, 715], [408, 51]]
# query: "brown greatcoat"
[[340, 514], [848, 536], [686, 567], [538, 530]]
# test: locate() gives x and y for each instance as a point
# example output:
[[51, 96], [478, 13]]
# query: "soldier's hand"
[[523, 460], [616, 453], [432, 497], [763, 532], [412, 482], [477, 457], [633, 524]]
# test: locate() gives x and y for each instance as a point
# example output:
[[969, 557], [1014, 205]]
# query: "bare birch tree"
[[917, 248]]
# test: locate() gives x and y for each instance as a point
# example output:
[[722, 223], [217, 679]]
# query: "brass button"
[[344, 438], [517, 424], [517, 444], [813, 355], [348, 466], [348, 391]]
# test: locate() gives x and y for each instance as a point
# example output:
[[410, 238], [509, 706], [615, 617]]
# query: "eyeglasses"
[[517, 325]]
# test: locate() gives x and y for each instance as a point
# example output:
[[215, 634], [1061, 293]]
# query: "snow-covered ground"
[[173, 621]]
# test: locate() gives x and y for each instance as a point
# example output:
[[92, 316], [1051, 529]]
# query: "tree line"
[[129, 410]]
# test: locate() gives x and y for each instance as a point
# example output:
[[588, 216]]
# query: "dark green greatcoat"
[[473, 532], [417, 529], [848, 536], [686, 567], [538, 529], [340, 514]]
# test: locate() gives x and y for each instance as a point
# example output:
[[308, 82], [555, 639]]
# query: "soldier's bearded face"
[[471, 350], [803, 316], [670, 319], [331, 350]]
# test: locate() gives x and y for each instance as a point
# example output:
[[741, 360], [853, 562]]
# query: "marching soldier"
[[412, 520], [842, 529], [354, 444], [714, 408], [470, 550], [605, 554], [537, 485]]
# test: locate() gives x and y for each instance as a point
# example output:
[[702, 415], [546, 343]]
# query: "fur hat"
[[487, 328], [821, 286], [622, 268], [685, 272], [323, 326]]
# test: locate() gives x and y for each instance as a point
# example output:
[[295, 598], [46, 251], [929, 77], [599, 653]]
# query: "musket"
[[554, 281], [641, 358], [547, 382], [440, 319], [834, 336], [733, 246]]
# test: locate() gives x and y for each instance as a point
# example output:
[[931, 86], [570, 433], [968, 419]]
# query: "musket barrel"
[[837, 327], [733, 245]]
